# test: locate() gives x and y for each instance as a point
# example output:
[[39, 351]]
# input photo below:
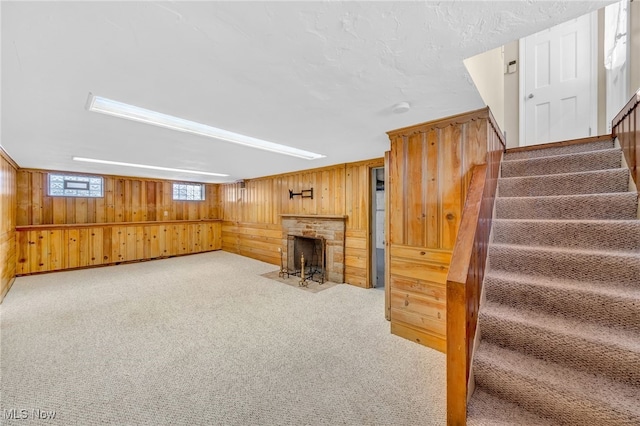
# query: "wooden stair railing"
[[626, 127], [464, 281]]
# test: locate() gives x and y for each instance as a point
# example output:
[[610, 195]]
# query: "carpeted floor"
[[205, 339]]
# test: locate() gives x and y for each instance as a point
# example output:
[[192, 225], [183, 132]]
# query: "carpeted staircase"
[[560, 319]]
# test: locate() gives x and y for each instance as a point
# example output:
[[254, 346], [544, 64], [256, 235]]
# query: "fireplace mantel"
[[316, 216]]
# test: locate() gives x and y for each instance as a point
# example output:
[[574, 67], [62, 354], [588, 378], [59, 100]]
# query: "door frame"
[[593, 115], [373, 267]]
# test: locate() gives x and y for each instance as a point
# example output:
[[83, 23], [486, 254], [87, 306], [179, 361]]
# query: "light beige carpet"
[[206, 340]]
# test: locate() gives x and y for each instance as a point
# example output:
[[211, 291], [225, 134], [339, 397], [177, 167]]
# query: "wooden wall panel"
[[252, 224], [357, 199], [626, 127], [127, 224], [126, 199], [43, 248], [8, 251], [430, 168]]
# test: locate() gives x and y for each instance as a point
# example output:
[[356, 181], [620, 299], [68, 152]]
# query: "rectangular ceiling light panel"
[[146, 166], [131, 112]]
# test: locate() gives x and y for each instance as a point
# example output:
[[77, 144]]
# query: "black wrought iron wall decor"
[[305, 193]]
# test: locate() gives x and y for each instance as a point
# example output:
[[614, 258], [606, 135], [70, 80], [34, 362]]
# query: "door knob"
[[530, 96]]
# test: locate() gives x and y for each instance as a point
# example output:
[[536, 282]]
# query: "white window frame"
[[188, 185], [73, 185]]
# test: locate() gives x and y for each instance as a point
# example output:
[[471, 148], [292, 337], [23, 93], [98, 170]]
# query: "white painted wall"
[[487, 73], [511, 90], [634, 15]]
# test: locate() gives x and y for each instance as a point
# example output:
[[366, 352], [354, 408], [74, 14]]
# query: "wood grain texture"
[[8, 252], [626, 127], [126, 199], [430, 167], [57, 247], [252, 215], [464, 280]]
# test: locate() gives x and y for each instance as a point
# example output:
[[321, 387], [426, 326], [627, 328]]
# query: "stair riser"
[[606, 310], [576, 352], [608, 181], [592, 267], [622, 207], [574, 163], [611, 236], [541, 398], [568, 149]]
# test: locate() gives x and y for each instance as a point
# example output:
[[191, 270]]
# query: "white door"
[[616, 53], [558, 82]]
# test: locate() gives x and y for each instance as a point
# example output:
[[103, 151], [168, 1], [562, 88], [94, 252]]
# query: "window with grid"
[[188, 191], [62, 185]]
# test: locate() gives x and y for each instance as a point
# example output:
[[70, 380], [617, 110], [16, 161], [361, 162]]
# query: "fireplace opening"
[[313, 250]]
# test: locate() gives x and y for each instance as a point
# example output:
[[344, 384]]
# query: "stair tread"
[[487, 409], [563, 163], [572, 155], [631, 255], [574, 263], [615, 205], [605, 289], [586, 173], [583, 386], [631, 222], [583, 182], [624, 194], [549, 323], [546, 150]]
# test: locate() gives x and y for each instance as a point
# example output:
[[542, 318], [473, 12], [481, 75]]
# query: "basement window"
[[61, 185], [188, 191]]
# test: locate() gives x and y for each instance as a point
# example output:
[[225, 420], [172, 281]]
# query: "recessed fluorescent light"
[[145, 166], [131, 112]]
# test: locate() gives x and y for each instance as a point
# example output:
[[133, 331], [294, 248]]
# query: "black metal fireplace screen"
[[311, 251]]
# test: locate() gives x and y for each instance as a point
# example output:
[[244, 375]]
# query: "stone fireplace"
[[329, 228]]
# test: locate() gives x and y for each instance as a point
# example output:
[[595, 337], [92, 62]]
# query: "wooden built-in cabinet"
[[429, 172]]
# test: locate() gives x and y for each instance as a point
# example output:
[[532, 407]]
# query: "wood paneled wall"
[[430, 168], [252, 224], [127, 224], [126, 199], [8, 169], [626, 126], [43, 248]]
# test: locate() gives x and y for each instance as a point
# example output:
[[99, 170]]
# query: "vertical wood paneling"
[[55, 247], [429, 173], [125, 200], [8, 206], [252, 224]]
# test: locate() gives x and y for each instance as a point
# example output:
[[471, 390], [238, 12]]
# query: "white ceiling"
[[321, 76]]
